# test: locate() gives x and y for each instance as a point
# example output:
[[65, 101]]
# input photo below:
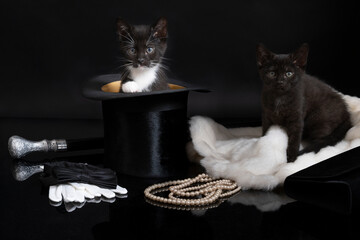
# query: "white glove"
[[81, 193]]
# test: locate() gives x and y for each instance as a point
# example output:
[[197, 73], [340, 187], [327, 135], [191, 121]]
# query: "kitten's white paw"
[[131, 87]]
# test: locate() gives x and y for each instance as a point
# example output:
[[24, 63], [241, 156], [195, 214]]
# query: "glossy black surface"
[[27, 214]]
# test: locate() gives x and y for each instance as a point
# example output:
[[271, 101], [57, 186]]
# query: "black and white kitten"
[[143, 47], [307, 108]]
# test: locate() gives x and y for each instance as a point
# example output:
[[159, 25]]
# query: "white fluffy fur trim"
[[256, 162]]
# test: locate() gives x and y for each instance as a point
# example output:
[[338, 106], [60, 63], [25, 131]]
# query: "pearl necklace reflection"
[[199, 191]]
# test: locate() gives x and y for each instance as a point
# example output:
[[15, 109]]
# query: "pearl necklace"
[[199, 191]]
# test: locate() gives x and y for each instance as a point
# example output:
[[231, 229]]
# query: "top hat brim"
[[106, 87]]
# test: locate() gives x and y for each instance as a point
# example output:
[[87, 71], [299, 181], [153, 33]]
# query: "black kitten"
[[143, 47], [305, 107]]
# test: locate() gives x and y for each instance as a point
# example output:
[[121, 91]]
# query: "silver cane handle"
[[22, 170], [19, 147]]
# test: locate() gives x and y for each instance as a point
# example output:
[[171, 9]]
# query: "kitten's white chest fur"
[[143, 78]]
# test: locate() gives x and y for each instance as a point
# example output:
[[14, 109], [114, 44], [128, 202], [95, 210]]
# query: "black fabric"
[[65, 172], [333, 183], [146, 136]]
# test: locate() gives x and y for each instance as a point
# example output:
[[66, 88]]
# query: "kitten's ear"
[[123, 28], [263, 55], [299, 57], [159, 29]]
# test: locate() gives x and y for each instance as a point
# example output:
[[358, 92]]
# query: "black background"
[[49, 48]]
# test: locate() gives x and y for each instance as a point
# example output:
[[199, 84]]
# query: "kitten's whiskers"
[[128, 37]]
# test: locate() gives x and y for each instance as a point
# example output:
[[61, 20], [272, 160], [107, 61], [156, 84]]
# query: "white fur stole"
[[257, 162]]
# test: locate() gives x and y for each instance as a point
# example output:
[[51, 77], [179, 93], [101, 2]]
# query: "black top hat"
[[145, 133]]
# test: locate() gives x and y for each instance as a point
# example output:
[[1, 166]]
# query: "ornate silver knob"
[[19, 147]]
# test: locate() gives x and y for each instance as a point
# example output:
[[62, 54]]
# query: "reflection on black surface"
[[246, 215], [147, 221], [183, 208], [72, 206], [263, 201], [321, 223], [22, 169]]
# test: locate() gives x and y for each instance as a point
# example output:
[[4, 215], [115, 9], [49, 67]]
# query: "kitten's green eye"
[[271, 74], [149, 50], [132, 51], [289, 74]]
